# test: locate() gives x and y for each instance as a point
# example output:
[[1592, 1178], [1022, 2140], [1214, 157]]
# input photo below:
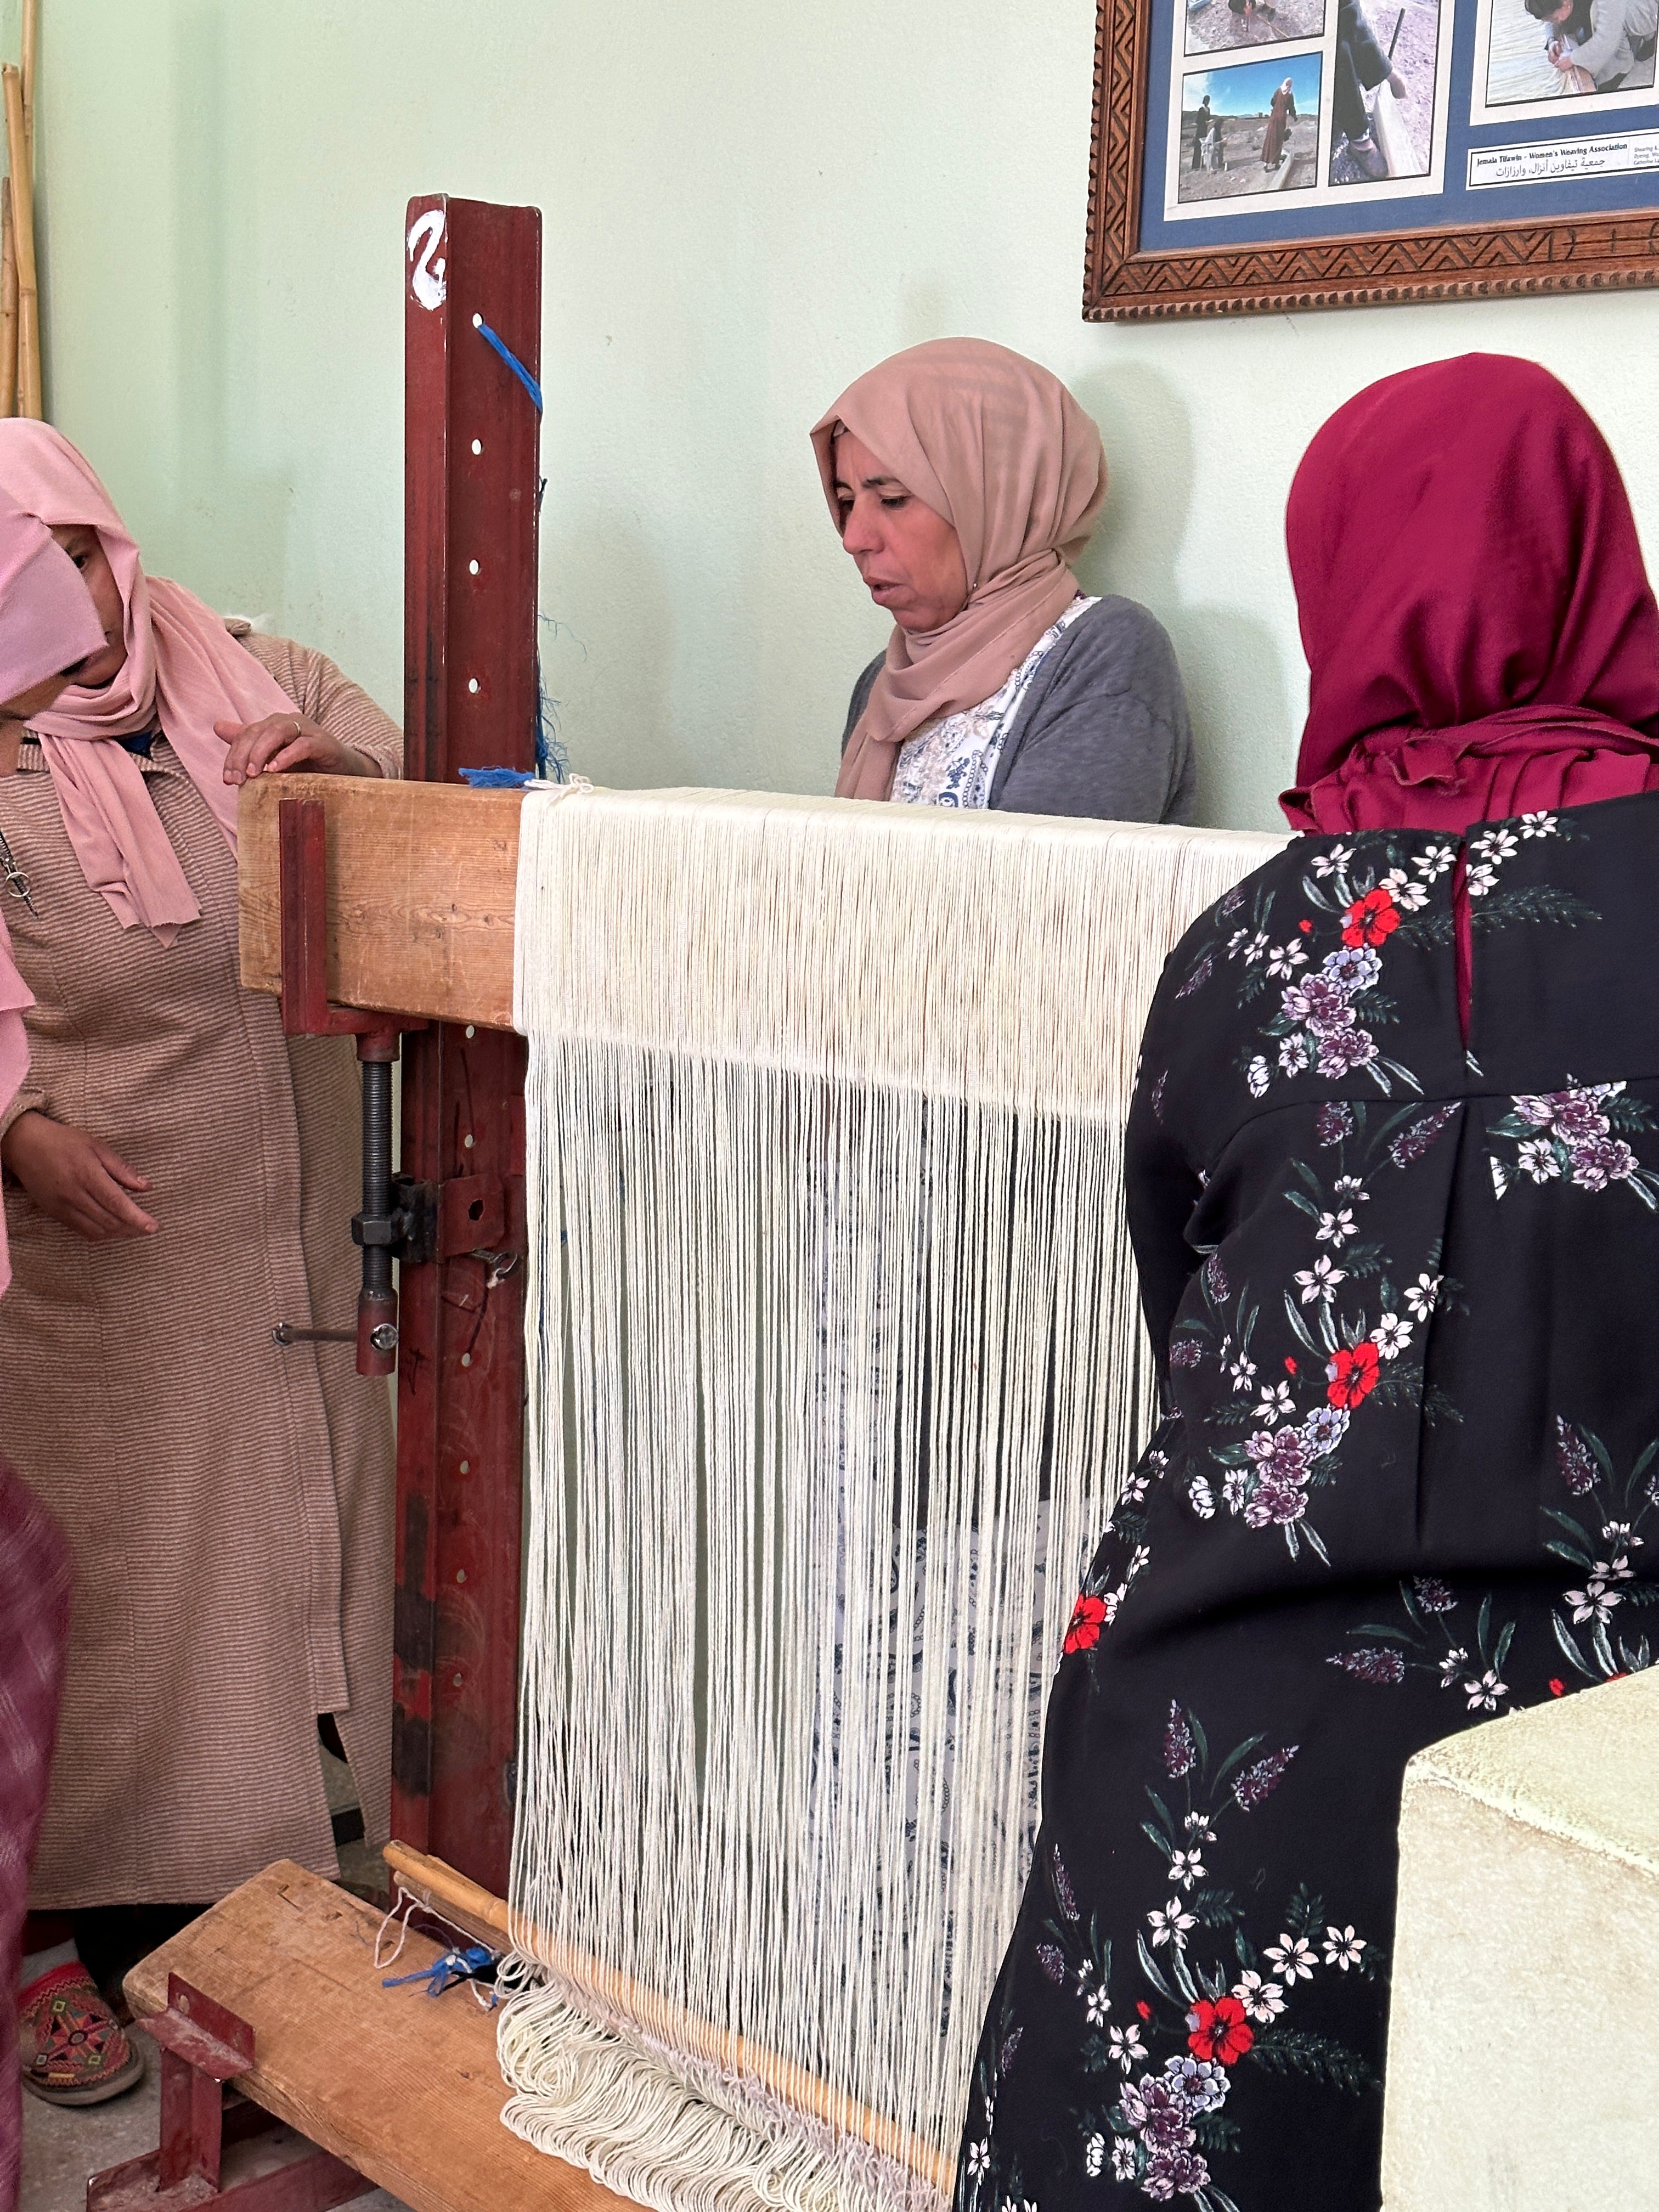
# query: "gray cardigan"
[[1102, 730]]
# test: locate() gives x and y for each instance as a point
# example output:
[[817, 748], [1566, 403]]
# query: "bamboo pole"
[[22, 212], [7, 304], [455, 1897], [31, 31]]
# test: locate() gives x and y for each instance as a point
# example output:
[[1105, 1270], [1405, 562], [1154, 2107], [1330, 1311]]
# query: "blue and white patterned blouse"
[[955, 762]]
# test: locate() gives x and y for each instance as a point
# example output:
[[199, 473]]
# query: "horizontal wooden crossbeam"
[[422, 878]]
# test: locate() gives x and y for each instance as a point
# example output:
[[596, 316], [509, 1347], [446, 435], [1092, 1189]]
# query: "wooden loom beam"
[[471, 460], [421, 887]]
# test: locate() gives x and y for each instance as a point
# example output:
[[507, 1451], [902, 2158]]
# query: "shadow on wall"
[[1244, 726]]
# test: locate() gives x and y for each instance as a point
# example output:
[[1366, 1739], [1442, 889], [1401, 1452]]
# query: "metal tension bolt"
[[384, 1337]]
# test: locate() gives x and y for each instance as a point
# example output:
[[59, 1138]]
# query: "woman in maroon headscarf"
[[1393, 1168]]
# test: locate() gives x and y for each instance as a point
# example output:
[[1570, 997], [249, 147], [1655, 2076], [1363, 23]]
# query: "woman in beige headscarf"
[[964, 480]]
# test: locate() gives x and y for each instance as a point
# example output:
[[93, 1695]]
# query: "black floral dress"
[[1404, 1292]]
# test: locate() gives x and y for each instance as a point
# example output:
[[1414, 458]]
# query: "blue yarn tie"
[[443, 1973], [502, 347], [497, 779]]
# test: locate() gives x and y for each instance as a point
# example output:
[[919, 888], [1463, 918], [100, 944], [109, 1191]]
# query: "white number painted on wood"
[[425, 236]]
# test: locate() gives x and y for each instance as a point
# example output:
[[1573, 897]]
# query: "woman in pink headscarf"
[[1394, 1188], [964, 481], [46, 620], [177, 1179]]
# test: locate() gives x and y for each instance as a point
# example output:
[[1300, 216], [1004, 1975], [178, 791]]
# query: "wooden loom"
[[274, 1989]]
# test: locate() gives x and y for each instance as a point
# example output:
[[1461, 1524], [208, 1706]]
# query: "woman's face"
[[86, 549], [909, 556]]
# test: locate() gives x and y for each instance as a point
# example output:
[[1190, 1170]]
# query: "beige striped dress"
[[228, 1502]]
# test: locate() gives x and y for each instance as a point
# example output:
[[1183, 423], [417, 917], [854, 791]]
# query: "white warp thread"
[[835, 1363]]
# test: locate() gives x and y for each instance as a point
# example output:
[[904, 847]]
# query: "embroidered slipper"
[[74, 2051]]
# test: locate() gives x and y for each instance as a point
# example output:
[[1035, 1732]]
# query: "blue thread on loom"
[[443, 1973], [512, 359], [552, 762], [498, 779]]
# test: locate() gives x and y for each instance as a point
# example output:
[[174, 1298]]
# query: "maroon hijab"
[[1482, 636]]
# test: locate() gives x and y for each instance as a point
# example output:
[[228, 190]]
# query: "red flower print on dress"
[[1353, 1375], [1088, 1616], [1219, 2030], [1370, 919], [1558, 1687]]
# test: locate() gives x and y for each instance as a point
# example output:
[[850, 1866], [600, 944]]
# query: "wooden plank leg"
[[402, 2090], [204, 2046]]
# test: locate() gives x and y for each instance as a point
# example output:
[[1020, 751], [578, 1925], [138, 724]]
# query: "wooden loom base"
[[406, 2090], [456, 1899]]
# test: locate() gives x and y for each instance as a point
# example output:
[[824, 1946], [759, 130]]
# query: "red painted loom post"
[[471, 491]]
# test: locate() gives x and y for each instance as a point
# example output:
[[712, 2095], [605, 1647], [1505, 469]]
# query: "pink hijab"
[[184, 672], [999, 448], [1481, 636], [48, 622]]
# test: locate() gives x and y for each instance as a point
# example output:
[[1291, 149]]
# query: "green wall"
[[744, 206]]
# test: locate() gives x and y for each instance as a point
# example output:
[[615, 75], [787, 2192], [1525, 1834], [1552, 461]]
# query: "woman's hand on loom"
[[283, 742], [77, 1179]]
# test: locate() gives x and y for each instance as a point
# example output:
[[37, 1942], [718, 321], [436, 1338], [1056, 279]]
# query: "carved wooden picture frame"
[[1576, 178]]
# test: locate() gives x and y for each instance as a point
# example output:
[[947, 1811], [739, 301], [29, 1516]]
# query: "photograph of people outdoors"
[[1251, 128], [1214, 25], [1382, 86], [1555, 49]]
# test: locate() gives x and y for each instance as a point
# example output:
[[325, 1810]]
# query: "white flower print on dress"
[[1391, 1336], [1185, 1868], [1127, 2047], [1479, 881], [1538, 825], [1327, 864], [1123, 2157], [1343, 1947], [1257, 1076], [1335, 1228], [1595, 1602], [1293, 1957], [1094, 2156], [1434, 860], [1421, 1296], [1262, 1999], [1410, 897], [1495, 845], [1275, 1403], [1571, 1136], [1170, 1926], [1099, 2005], [1284, 960], [1452, 1666], [1484, 1693], [1319, 1281]]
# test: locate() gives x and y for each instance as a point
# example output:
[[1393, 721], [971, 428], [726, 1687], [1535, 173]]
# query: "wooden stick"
[[7, 304], [488, 1917], [22, 212], [31, 28]]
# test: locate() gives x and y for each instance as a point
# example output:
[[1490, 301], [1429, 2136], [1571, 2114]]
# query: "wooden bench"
[[403, 2087]]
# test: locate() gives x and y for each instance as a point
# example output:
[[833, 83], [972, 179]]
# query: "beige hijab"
[[999, 448]]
